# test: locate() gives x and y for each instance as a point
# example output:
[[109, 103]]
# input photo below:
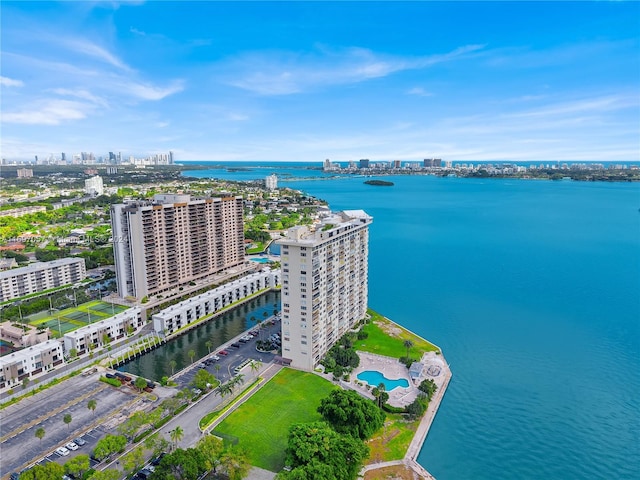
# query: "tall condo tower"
[[324, 284], [173, 240]]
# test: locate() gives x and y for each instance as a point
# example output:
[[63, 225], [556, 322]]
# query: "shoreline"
[[417, 442]]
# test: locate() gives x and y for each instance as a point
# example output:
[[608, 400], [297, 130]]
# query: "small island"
[[379, 183]]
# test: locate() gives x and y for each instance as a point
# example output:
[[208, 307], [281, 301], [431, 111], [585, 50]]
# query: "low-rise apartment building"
[[22, 335], [29, 362], [177, 316], [105, 331]]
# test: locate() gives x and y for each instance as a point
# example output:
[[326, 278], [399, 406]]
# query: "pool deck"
[[435, 368], [392, 369]]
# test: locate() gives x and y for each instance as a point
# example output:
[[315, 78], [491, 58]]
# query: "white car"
[[62, 451], [71, 446]]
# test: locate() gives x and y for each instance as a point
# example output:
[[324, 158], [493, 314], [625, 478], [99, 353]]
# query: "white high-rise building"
[[174, 240], [271, 182], [324, 284], [94, 186]]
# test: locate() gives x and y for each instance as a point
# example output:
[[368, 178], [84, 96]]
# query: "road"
[[46, 409]]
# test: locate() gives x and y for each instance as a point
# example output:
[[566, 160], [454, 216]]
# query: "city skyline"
[[304, 81]]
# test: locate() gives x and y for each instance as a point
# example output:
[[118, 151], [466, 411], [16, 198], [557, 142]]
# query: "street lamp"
[[58, 317], [19, 303]]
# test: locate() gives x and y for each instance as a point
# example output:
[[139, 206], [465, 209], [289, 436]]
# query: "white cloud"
[[83, 94], [10, 82], [137, 32], [48, 112], [282, 73], [419, 91], [86, 47], [151, 92]]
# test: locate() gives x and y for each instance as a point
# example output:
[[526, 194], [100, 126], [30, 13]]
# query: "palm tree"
[[176, 435], [238, 379], [407, 344], [172, 364], [40, 434], [191, 353], [225, 389], [67, 419], [217, 368], [381, 390], [255, 365], [209, 344], [91, 405]]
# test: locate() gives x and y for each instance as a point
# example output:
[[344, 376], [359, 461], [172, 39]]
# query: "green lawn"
[[387, 338], [262, 423], [392, 441]]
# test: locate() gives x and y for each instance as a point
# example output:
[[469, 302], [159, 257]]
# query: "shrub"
[[391, 409], [111, 381], [362, 335]]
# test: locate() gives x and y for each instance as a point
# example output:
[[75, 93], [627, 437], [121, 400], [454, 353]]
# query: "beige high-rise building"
[[324, 284], [173, 240]]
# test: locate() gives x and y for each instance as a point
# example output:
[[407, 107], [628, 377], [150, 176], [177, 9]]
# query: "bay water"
[[532, 290]]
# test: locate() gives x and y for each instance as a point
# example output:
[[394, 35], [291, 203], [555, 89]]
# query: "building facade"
[[105, 331], [271, 182], [324, 285], [94, 186], [22, 211], [29, 362], [24, 172], [182, 314], [174, 240], [38, 277]]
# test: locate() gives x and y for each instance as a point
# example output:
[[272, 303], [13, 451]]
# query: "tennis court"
[[73, 318]]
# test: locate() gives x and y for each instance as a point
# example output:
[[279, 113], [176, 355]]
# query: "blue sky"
[[305, 81]]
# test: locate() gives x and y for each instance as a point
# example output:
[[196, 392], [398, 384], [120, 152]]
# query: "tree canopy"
[[108, 445], [317, 452], [182, 464], [347, 412], [49, 471]]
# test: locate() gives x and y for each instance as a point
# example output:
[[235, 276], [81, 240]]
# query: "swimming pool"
[[375, 378], [260, 260]]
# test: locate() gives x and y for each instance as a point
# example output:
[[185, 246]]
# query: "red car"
[[223, 352]]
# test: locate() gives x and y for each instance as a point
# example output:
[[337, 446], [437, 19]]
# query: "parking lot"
[[223, 368], [46, 410]]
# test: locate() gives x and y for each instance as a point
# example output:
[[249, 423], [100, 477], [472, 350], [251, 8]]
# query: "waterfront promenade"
[[410, 457]]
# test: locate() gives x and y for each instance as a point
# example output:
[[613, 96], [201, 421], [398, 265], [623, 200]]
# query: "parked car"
[[62, 451], [79, 441], [223, 352], [156, 461], [235, 344], [215, 358], [71, 446], [202, 365]]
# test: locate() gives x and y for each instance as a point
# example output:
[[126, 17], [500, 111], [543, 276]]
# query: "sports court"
[[71, 319]]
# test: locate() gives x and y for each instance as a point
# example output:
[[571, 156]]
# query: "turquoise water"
[[375, 378], [532, 289], [260, 260]]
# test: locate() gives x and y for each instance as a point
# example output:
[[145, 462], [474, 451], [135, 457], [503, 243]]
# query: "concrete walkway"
[[410, 459]]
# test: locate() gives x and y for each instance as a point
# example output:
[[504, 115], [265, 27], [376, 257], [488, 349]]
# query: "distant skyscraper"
[[324, 285], [170, 157], [174, 240], [112, 158], [271, 182], [25, 172], [327, 165], [94, 186], [63, 157], [364, 163]]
